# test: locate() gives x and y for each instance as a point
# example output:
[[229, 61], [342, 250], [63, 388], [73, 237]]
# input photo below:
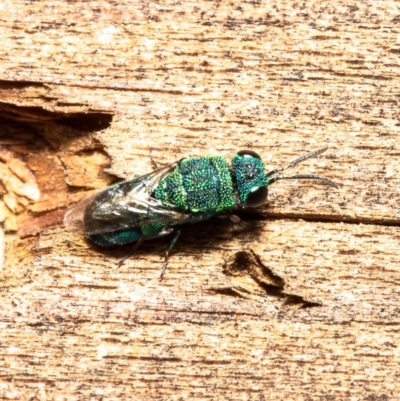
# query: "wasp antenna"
[[305, 157], [296, 161], [304, 177]]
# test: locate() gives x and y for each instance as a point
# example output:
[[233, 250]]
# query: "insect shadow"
[[203, 237]]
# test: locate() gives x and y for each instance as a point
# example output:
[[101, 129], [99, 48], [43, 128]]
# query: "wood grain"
[[304, 307]]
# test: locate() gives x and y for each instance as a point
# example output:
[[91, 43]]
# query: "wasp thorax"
[[251, 181]]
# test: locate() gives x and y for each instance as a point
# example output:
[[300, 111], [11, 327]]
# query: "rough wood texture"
[[304, 308]]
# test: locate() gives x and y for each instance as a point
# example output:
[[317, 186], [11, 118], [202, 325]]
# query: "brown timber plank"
[[303, 308]]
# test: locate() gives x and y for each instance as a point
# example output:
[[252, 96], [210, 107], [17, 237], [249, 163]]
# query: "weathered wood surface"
[[307, 306]]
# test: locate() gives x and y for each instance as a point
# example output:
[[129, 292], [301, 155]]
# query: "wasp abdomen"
[[116, 238]]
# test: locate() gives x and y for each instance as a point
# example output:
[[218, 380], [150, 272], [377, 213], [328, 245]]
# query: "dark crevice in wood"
[[10, 85], [82, 122], [42, 141], [249, 263], [329, 219]]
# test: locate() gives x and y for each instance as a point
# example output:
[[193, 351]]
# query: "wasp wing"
[[73, 218], [124, 205]]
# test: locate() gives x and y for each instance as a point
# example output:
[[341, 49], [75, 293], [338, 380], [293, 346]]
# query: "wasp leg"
[[244, 224], [155, 165], [170, 246], [134, 249], [153, 162]]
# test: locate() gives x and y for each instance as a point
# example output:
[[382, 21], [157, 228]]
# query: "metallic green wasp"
[[190, 190]]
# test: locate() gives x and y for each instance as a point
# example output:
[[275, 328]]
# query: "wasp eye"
[[249, 153], [257, 196]]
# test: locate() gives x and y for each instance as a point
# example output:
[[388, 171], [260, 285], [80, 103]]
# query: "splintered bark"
[[303, 302]]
